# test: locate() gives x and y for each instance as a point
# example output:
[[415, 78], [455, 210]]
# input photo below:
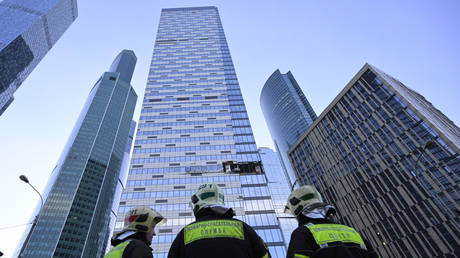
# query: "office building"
[[389, 161], [79, 199], [194, 129], [278, 186], [287, 114], [28, 31]]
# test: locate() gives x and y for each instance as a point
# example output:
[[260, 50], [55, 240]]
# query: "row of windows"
[[170, 194], [166, 37], [190, 70], [153, 85], [255, 191], [187, 123], [204, 52], [198, 60], [183, 76], [203, 46], [200, 49], [171, 67], [204, 140], [184, 158], [258, 205], [209, 115], [186, 92], [206, 168], [217, 85], [148, 110], [207, 53], [238, 157], [191, 78], [186, 100], [239, 148], [253, 179], [180, 103], [200, 80], [197, 46], [175, 207], [192, 131], [270, 235], [189, 56], [184, 180]]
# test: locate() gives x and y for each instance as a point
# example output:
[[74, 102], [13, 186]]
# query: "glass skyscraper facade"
[[389, 161], [279, 191], [194, 129], [287, 113], [28, 30], [79, 199]]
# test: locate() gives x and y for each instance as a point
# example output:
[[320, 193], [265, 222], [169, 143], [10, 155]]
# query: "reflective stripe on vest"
[[213, 229], [328, 233], [117, 251], [301, 256]]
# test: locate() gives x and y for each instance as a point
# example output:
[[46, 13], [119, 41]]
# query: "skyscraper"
[[194, 129], [28, 31], [79, 199], [279, 190], [287, 113], [389, 161]]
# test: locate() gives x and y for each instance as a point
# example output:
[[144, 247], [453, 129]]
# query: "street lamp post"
[[26, 180]]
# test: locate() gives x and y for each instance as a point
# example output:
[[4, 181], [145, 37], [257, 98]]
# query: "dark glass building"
[[28, 30], [389, 161], [194, 129], [79, 199], [287, 113]]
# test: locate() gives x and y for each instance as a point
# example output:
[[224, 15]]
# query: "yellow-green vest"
[[117, 251]]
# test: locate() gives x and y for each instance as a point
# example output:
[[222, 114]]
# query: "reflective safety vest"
[[329, 233], [117, 251], [217, 229]]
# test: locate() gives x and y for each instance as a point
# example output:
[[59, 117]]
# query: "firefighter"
[[317, 234], [137, 234], [215, 233]]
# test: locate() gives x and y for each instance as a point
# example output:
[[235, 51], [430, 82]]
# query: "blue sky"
[[323, 43]]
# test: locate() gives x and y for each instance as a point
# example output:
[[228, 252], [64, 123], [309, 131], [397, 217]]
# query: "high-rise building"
[[287, 113], [79, 199], [194, 129], [28, 30], [389, 161], [279, 190]]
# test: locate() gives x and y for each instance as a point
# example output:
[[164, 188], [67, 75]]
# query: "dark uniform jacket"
[[132, 247], [304, 245], [217, 236]]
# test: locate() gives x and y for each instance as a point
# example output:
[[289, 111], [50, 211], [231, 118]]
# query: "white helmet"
[[141, 218], [207, 195], [302, 198]]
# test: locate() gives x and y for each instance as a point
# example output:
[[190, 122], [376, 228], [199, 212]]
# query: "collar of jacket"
[[129, 234], [215, 210]]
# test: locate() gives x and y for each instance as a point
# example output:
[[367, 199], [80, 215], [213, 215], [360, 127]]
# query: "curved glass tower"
[[287, 114], [79, 204]]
